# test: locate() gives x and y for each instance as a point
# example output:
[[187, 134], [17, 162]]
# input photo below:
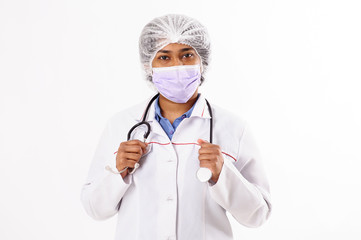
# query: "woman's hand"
[[210, 156], [128, 154]]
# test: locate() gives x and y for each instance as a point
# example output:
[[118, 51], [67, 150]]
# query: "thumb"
[[201, 141]]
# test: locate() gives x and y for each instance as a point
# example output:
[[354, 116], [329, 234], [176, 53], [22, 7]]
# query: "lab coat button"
[[170, 198]]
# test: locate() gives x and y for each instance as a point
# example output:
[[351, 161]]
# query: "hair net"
[[173, 28]]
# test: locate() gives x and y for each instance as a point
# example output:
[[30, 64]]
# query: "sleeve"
[[242, 187], [102, 193]]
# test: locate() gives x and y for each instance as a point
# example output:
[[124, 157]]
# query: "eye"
[[163, 57], [188, 55]]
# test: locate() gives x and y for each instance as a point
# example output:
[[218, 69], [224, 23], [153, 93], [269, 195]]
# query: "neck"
[[172, 110]]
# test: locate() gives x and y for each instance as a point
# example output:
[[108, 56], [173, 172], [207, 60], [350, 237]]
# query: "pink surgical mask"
[[177, 83]]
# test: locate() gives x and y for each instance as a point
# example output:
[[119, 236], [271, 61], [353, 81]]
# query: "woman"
[[152, 185]]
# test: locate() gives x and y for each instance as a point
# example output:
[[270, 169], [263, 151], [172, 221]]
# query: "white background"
[[291, 68]]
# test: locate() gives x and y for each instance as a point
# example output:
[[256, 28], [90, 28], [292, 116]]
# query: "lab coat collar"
[[200, 110]]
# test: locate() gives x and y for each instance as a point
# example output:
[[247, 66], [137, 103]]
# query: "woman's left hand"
[[210, 156]]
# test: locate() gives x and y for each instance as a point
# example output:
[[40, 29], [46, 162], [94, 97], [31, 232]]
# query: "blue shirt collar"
[[158, 114]]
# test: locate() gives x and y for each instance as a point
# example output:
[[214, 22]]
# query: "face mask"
[[177, 83]]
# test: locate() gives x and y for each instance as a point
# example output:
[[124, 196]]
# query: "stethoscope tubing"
[[203, 174], [149, 128], [143, 121]]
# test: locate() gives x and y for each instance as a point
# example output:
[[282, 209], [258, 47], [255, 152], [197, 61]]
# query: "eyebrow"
[[182, 50]]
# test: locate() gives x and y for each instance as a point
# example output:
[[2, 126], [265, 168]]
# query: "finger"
[[127, 163], [208, 150], [201, 141], [137, 142], [133, 149], [133, 142], [132, 156], [205, 144], [144, 146], [208, 157], [123, 157], [207, 164]]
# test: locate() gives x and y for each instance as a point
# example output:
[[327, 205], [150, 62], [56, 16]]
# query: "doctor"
[[152, 186]]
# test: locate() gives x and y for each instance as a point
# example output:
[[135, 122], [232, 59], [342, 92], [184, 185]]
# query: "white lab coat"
[[163, 199]]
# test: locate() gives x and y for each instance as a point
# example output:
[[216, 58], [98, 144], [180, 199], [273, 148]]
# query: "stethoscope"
[[203, 174]]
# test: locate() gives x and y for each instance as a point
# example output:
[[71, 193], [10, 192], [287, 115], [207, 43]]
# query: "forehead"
[[176, 47]]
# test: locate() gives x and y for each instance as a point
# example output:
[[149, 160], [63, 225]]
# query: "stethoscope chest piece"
[[204, 174]]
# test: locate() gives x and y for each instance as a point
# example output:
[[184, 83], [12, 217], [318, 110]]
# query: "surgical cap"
[[173, 28]]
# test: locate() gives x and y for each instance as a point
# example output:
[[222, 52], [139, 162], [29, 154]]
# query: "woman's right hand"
[[128, 154]]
